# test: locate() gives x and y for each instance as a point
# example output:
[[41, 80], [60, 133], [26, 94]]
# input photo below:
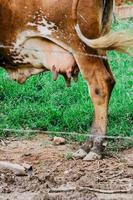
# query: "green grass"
[[128, 2], [44, 104]]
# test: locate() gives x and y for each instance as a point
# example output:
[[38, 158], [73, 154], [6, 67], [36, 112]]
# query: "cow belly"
[[39, 55], [43, 53]]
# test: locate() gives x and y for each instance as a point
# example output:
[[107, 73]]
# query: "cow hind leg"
[[100, 82]]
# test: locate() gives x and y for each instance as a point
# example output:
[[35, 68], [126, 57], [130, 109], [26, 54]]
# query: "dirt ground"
[[58, 176]]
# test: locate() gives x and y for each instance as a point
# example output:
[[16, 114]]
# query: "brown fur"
[[119, 41], [14, 18]]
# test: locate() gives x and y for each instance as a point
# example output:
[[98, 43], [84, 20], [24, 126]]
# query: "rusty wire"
[[72, 52], [65, 133]]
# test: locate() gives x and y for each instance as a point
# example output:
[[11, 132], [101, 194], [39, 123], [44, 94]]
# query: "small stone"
[[91, 156], [80, 154], [59, 141], [3, 177], [50, 138]]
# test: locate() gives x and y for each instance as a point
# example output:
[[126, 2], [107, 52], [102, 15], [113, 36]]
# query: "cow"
[[62, 36]]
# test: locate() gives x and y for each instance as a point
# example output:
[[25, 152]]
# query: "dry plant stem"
[[104, 191], [20, 170], [116, 175], [113, 176], [59, 190]]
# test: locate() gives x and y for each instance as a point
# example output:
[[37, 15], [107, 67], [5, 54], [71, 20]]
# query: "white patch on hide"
[[18, 50], [24, 52], [44, 27], [22, 37]]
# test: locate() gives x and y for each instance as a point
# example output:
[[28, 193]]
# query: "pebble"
[[59, 141]]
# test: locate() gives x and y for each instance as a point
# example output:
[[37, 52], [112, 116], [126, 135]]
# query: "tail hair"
[[121, 41]]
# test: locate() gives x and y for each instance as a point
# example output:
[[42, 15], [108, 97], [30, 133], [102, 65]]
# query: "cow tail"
[[120, 41]]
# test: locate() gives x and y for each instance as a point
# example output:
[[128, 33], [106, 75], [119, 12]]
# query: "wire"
[[72, 52], [66, 133]]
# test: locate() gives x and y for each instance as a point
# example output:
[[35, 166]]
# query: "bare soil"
[[58, 176]]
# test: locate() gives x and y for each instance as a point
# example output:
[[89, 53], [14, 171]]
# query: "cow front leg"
[[100, 82]]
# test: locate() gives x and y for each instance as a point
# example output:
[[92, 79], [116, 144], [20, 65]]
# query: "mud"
[[58, 176]]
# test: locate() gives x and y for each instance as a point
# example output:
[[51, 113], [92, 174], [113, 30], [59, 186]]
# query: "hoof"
[[91, 156], [80, 154]]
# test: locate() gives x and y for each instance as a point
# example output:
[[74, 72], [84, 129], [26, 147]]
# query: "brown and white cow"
[[58, 35]]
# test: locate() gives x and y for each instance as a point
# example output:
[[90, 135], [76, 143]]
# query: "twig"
[[62, 189], [71, 189], [19, 170], [104, 191], [111, 177], [115, 175]]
